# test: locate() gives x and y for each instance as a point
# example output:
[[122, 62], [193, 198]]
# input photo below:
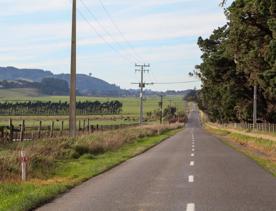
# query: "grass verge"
[[261, 150], [71, 172]]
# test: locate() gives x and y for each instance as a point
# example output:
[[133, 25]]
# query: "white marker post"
[[23, 160]]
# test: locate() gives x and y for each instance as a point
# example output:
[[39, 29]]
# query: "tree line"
[[237, 57], [59, 108]]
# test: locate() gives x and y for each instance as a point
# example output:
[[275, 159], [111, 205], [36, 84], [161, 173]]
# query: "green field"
[[17, 94], [129, 113], [130, 104]]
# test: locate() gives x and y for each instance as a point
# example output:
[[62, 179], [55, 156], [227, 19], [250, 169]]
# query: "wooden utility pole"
[[142, 86], [72, 106], [161, 108], [255, 108]]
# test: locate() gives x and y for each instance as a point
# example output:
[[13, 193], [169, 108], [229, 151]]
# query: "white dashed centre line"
[[191, 178], [192, 155], [193, 150], [190, 207], [192, 163]]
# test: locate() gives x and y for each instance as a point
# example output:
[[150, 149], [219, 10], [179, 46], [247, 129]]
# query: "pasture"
[[129, 114]]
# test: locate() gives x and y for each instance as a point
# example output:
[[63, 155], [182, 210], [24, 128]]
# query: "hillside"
[[11, 77], [86, 85], [17, 94]]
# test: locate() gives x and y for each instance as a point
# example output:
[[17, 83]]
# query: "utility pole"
[[161, 108], [72, 106], [142, 85], [255, 108]]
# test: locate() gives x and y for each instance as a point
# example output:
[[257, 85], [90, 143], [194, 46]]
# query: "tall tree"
[[235, 58]]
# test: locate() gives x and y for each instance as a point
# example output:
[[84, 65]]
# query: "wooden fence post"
[[11, 130], [84, 125], [62, 128], [39, 129], [22, 130], [79, 125], [52, 129], [2, 134], [88, 125]]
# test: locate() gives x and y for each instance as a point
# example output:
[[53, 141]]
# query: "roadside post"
[[23, 160]]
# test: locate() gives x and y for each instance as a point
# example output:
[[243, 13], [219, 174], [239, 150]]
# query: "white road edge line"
[[192, 163], [191, 178], [190, 207]]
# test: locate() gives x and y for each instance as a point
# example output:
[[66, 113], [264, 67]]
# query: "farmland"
[[130, 104], [54, 125]]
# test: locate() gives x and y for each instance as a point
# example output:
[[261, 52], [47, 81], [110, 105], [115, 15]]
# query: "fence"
[[24, 133], [261, 127]]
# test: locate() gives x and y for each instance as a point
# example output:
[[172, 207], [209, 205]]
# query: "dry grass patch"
[[43, 154]]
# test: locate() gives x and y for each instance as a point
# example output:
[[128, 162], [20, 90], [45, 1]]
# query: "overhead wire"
[[180, 82], [120, 31], [102, 37], [105, 30]]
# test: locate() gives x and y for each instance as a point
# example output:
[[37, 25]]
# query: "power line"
[[160, 83], [102, 37], [119, 30], [103, 27], [181, 82]]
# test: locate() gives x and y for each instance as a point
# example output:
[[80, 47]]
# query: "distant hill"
[[12, 73], [86, 85], [92, 86]]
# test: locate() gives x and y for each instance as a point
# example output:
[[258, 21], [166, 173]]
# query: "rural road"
[[190, 171]]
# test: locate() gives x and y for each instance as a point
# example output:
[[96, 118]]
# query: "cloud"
[[37, 34]]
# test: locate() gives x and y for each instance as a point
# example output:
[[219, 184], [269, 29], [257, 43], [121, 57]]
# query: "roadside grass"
[[261, 150], [89, 159]]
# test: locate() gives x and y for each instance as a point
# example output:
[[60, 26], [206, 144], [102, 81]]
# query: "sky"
[[113, 35]]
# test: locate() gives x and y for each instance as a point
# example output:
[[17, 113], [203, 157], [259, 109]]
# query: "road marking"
[[193, 150], [192, 155], [191, 178], [193, 146], [190, 207], [192, 163]]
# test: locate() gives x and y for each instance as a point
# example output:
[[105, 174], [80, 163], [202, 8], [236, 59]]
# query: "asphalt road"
[[190, 171]]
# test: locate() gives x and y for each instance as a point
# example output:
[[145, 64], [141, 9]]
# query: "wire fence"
[[260, 127], [250, 127], [12, 133]]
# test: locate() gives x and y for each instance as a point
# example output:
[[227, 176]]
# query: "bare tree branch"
[[222, 4]]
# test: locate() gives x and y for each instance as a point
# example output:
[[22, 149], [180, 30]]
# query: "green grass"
[[130, 104], [17, 94], [261, 150], [69, 173], [130, 110]]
